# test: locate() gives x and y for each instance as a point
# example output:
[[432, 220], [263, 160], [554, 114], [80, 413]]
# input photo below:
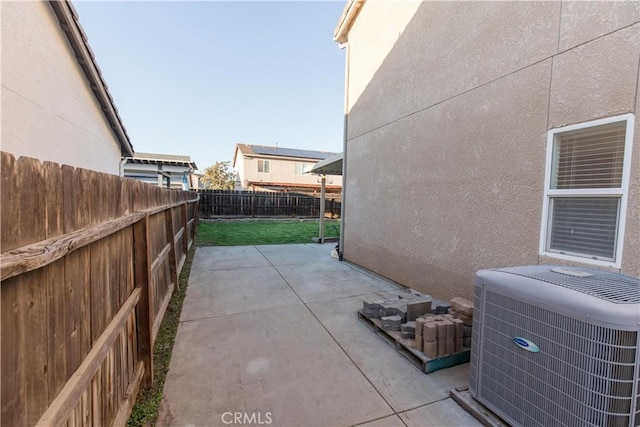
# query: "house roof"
[[347, 18], [68, 19], [270, 151], [162, 159]]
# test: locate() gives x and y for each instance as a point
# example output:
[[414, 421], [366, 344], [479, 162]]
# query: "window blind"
[[584, 225], [589, 158]]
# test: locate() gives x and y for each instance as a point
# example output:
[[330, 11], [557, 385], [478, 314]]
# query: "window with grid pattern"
[[586, 192]]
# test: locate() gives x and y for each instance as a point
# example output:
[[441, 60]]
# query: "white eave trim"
[[68, 19], [285, 158], [341, 32]]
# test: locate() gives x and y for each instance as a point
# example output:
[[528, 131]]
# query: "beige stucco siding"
[[596, 79], [447, 139], [446, 49], [280, 171], [48, 109], [583, 21]]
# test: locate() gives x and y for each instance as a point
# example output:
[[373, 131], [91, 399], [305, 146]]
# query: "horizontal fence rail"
[[89, 262], [223, 203]]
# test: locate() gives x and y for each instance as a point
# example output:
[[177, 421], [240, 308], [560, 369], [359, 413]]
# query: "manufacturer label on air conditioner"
[[526, 344]]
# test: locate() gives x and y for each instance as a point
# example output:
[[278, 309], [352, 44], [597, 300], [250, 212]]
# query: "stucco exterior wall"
[[238, 168], [280, 171], [446, 137], [48, 109]]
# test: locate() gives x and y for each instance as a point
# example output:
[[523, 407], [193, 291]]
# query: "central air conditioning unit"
[[557, 346]]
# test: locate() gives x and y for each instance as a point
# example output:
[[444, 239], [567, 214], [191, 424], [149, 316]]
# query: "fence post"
[[142, 279], [253, 204], [171, 238], [185, 233], [196, 217]]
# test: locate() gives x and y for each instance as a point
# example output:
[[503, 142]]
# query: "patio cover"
[[329, 166]]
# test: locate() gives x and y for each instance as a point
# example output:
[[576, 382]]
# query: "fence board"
[[77, 296], [99, 287], [10, 208], [32, 304], [87, 407], [53, 201], [71, 213], [31, 221], [77, 245], [129, 397], [56, 333], [217, 203], [72, 391], [171, 241], [141, 259], [12, 347], [185, 238], [161, 310]]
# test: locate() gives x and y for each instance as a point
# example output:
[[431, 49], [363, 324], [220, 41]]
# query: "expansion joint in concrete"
[[332, 337]]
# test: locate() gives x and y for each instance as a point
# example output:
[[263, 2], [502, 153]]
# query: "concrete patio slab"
[[293, 254], [279, 362], [442, 413], [220, 292], [270, 333], [392, 421], [228, 257], [402, 384], [322, 281]]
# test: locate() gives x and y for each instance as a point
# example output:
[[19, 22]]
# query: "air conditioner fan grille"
[[612, 287]]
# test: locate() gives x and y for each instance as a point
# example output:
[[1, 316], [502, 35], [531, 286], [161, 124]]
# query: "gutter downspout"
[[344, 45], [122, 163]]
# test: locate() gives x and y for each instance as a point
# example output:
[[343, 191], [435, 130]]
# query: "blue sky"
[[195, 78]]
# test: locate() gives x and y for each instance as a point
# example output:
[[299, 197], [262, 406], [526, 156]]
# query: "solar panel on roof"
[[290, 152]]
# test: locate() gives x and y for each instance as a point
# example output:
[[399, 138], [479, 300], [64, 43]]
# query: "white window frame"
[[304, 167], [621, 192], [266, 163]]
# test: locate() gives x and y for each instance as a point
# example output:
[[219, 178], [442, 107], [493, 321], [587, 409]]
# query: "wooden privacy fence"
[[89, 262], [217, 203]]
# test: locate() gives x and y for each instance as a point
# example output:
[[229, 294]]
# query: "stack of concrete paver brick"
[[439, 335], [438, 328], [463, 309], [408, 306]]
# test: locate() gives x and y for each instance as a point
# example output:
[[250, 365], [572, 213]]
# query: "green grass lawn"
[[236, 233]]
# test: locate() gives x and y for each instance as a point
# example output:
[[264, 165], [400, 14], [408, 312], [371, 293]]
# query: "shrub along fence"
[[89, 262], [221, 203]]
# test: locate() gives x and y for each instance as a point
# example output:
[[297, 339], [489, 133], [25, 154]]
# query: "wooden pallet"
[[463, 397], [406, 348]]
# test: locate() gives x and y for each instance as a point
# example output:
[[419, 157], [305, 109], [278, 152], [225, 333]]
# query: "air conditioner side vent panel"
[[584, 373]]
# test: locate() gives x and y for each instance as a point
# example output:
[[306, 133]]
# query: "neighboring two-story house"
[[266, 168], [55, 104], [490, 134]]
